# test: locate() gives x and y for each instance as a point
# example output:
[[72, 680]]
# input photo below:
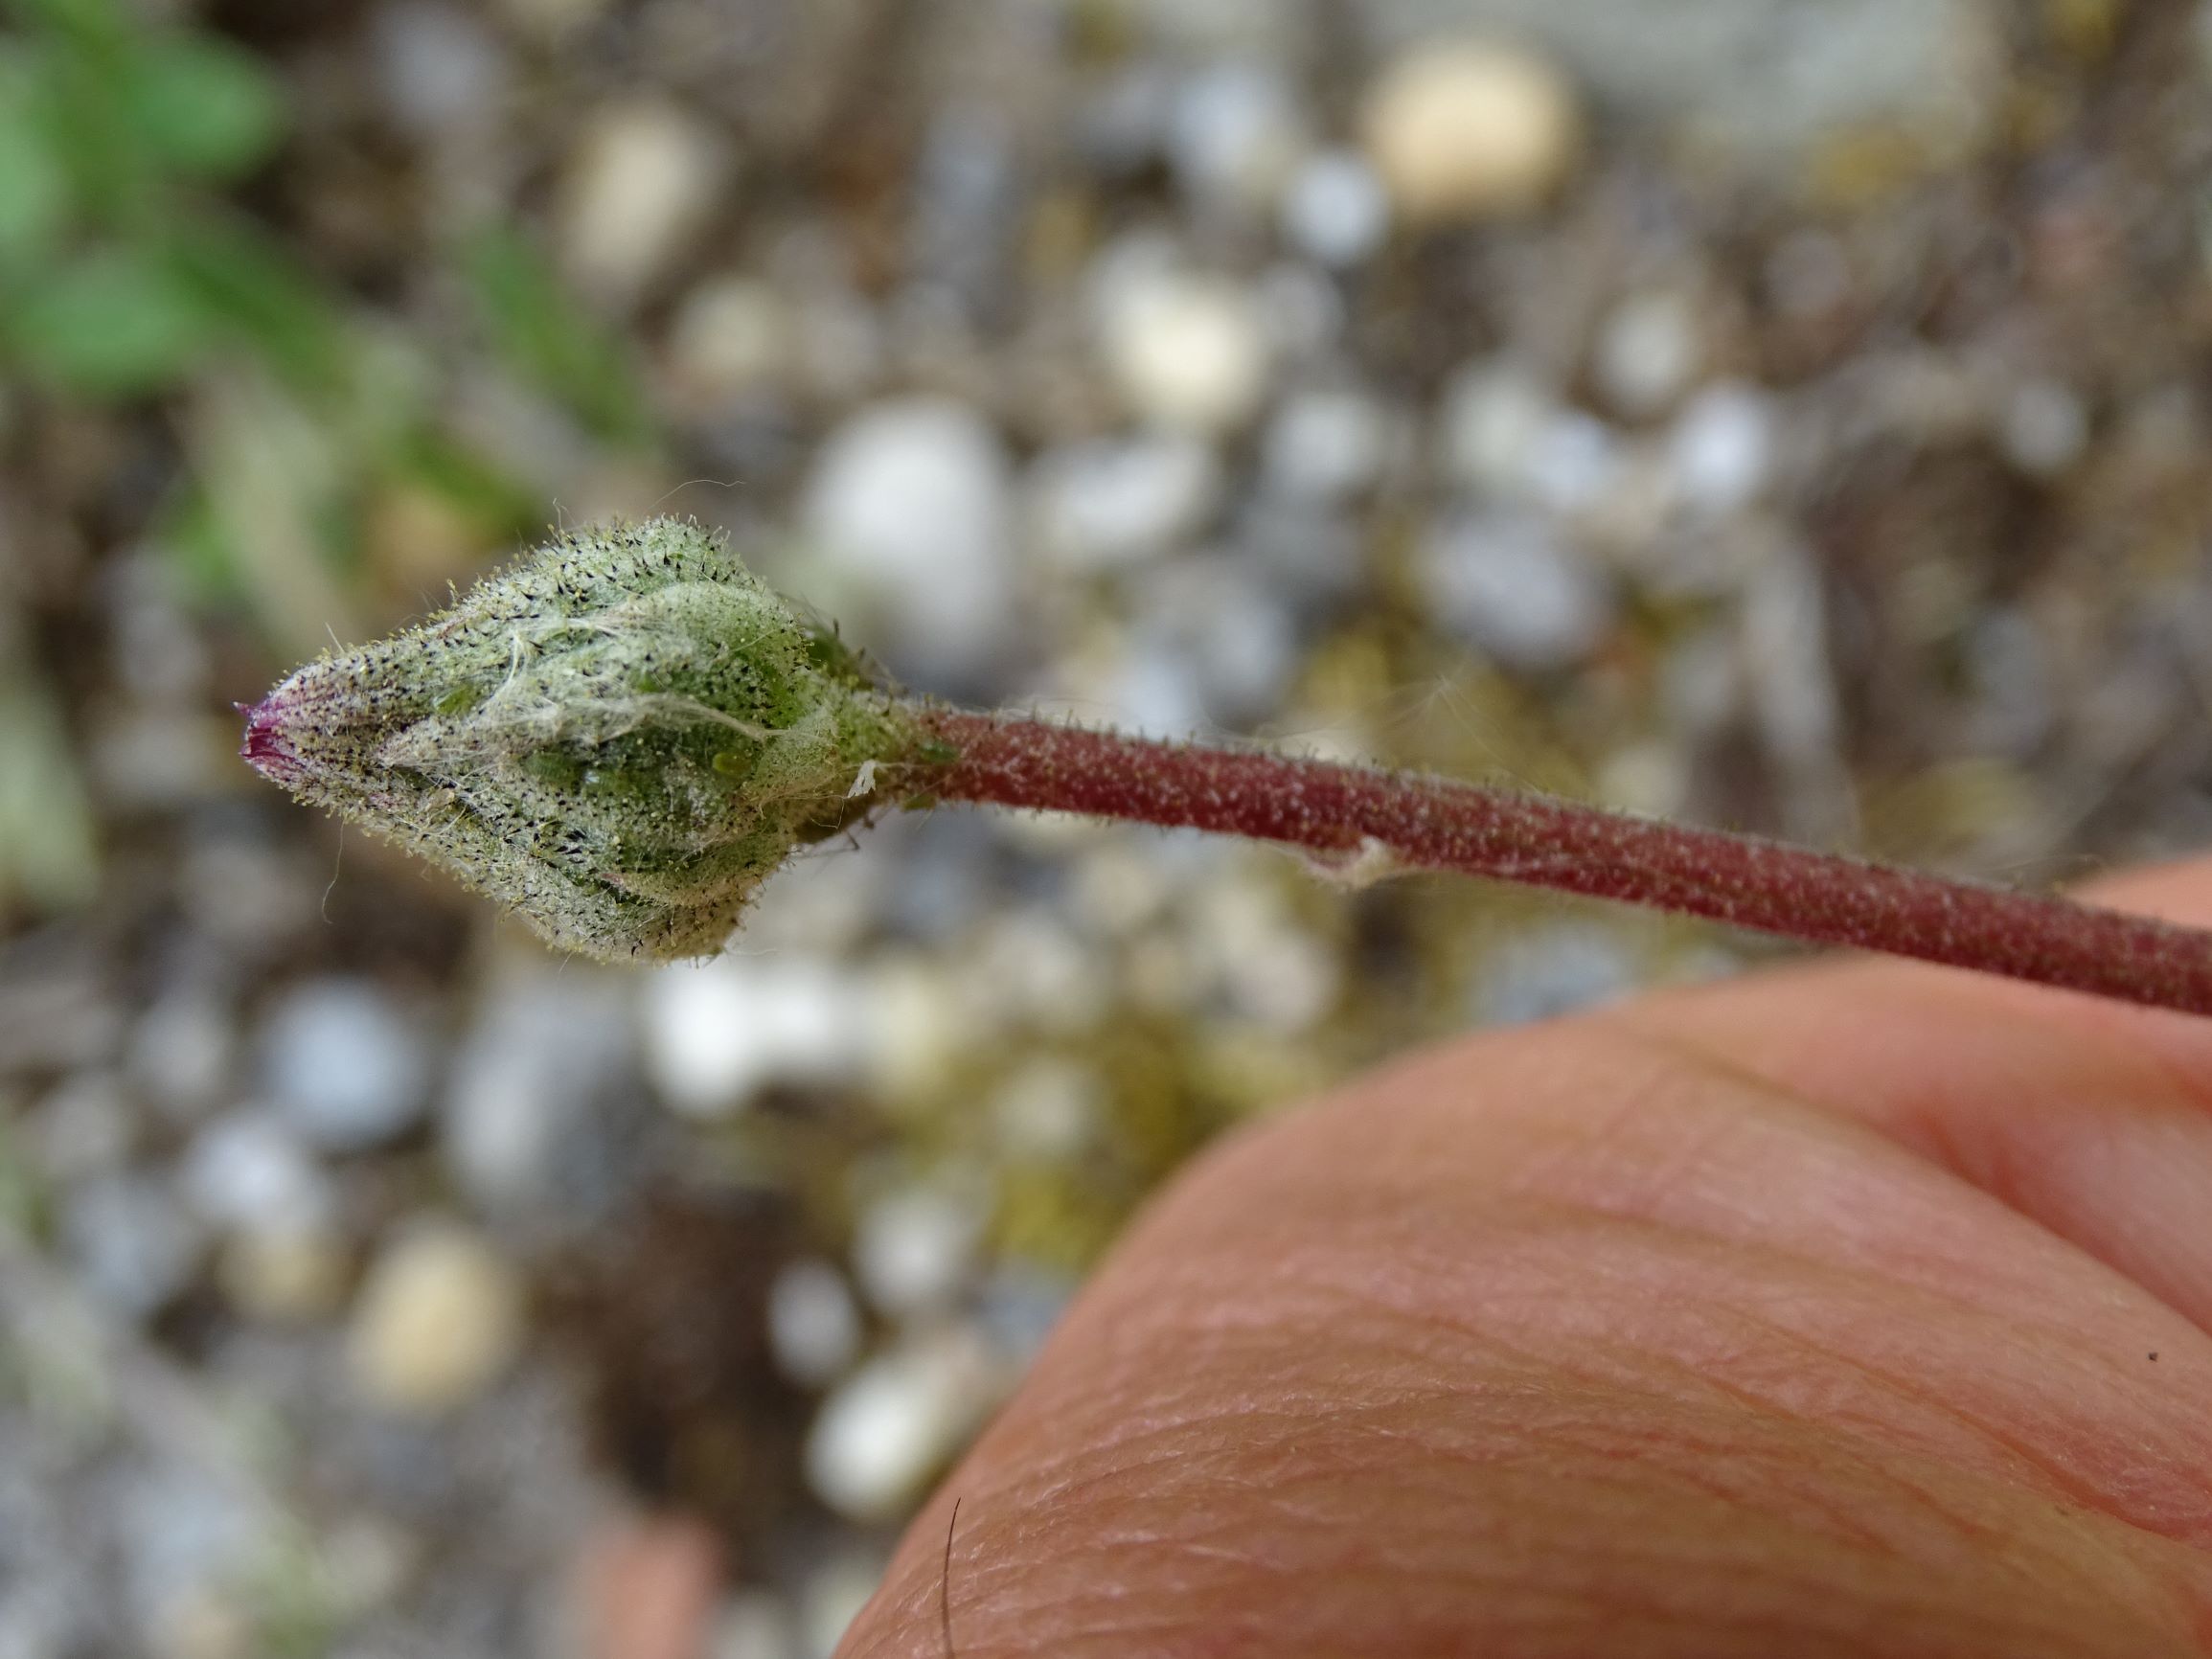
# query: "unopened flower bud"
[[621, 737]]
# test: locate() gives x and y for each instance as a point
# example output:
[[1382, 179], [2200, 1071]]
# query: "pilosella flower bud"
[[621, 737], [624, 735]]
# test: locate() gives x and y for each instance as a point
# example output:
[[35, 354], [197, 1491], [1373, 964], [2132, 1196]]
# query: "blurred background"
[[1784, 414]]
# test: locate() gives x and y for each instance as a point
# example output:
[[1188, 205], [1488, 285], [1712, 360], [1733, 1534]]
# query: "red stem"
[[1434, 824]]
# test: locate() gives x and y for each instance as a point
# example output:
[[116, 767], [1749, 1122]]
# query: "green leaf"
[[114, 324], [35, 199], [547, 337], [205, 107], [73, 92], [99, 21], [198, 551], [242, 277], [441, 462]]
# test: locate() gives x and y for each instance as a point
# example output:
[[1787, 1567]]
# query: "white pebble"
[[754, 1624], [520, 1104], [1793, 693], [838, 345], [1153, 687], [1249, 657], [179, 1522], [1117, 891], [436, 1323], [1494, 419], [915, 1250], [1225, 631], [1271, 969], [1188, 352], [1555, 971], [1119, 501], [814, 1323], [1722, 449], [84, 1127], [1576, 463], [1648, 352], [248, 1170], [182, 1051], [1049, 1109], [1703, 686], [831, 1597], [915, 1035], [1019, 1308], [640, 182], [1027, 966], [345, 1065], [907, 507], [827, 906], [2007, 664], [1301, 311], [132, 1243], [730, 335], [1335, 210], [285, 1276], [1291, 986], [895, 1422], [438, 66], [718, 1032], [1471, 130], [1235, 135], [2044, 428], [1651, 776], [966, 204], [1324, 447], [1509, 586]]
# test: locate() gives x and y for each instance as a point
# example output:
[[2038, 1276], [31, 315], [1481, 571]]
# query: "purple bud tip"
[[265, 748]]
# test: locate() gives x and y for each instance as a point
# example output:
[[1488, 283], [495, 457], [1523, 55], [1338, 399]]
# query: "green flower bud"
[[621, 737]]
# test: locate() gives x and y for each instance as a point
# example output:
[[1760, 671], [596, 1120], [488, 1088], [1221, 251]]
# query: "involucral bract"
[[620, 737]]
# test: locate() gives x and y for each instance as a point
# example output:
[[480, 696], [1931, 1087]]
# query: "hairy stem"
[[1343, 813]]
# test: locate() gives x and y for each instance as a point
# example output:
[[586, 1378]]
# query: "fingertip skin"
[[1586, 1341]]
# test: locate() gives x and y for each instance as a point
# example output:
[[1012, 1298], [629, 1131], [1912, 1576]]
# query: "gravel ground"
[[1794, 419]]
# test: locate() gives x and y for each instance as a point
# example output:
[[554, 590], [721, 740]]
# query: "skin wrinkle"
[[2023, 1455], [1762, 1092], [1418, 1267], [1423, 1275], [1105, 1576], [1943, 1286], [1197, 1539], [1560, 1622], [2091, 1368], [1089, 1607], [1650, 1551], [1996, 1334], [1766, 1401], [1769, 1403], [2027, 1059], [2032, 1160], [1570, 1141], [1127, 1442]]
